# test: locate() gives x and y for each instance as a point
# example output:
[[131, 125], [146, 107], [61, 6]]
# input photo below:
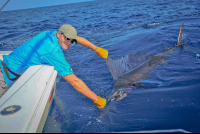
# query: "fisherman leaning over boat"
[[47, 48]]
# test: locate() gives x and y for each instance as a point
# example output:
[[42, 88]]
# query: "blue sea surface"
[[172, 100]]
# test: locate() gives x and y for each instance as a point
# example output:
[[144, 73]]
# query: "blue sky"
[[24, 4]]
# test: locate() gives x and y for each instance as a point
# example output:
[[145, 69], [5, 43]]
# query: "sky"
[[25, 4]]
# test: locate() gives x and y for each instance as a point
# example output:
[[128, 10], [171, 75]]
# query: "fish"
[[127, 75]]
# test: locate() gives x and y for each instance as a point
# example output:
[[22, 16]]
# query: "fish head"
[[119, 94]]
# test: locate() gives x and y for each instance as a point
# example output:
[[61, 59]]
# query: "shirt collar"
[[53, 34]]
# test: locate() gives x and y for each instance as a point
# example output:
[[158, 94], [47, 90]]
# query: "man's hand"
[[103, 53], [101, 102]]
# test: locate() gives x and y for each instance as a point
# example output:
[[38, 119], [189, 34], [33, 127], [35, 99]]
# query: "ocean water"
[[172, 100]]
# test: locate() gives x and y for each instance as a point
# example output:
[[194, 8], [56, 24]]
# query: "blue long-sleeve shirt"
[[41, 49]]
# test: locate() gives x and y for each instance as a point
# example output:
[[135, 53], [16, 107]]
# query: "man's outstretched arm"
[[103, 53], [80, 86], [84, 42]]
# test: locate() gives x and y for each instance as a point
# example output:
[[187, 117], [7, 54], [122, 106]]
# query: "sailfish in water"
[[126, 75]]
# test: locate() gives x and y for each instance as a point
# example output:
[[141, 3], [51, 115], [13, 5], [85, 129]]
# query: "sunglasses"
[[73, 41]]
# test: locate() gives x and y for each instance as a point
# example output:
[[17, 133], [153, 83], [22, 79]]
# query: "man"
[[47, 48]]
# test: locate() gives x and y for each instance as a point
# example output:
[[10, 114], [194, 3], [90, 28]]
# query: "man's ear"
[[58, 34]]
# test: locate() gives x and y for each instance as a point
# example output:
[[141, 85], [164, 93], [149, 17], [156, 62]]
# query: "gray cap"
[[68, 30]]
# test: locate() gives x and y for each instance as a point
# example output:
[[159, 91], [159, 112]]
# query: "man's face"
[[63, 41]]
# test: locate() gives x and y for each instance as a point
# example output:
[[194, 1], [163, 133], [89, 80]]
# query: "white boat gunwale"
[[33, 91]]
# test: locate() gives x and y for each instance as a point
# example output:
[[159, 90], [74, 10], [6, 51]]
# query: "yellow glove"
[[103, 53], [101, 102]]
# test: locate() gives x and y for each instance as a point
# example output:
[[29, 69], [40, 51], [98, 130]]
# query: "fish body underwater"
[[126, 75]]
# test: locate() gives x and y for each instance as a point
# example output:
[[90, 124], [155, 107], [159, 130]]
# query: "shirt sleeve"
[[57, 60]]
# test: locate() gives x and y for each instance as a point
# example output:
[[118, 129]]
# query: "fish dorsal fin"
[[126, 63], [117, 67]]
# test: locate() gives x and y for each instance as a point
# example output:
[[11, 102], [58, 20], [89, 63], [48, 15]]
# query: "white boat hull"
[[33, 92]]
